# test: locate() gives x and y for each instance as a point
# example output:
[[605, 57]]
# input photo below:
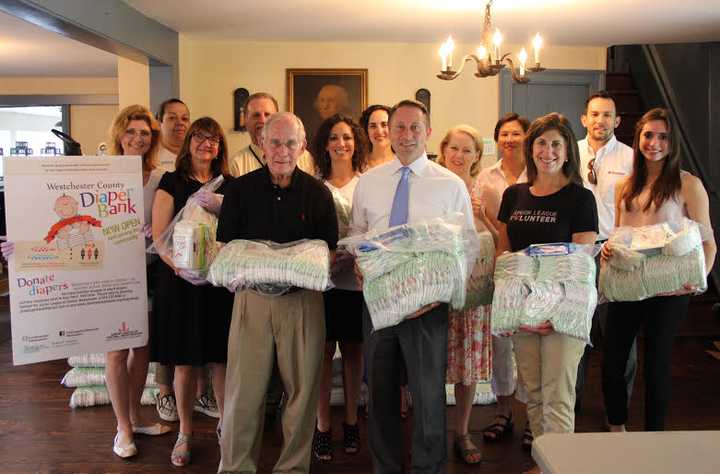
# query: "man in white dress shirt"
[[420, 342], [258, 109], [604, 162]]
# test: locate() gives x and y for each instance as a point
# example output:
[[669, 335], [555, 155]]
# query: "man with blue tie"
[[408, 189]]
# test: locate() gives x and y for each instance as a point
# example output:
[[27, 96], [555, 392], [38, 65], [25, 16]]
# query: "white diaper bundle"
[[532, 289], [87, 378], [412, 265], [654, 259], [480, 283], [272, 268]]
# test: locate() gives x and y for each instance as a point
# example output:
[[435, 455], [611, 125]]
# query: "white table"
[[665, 452]]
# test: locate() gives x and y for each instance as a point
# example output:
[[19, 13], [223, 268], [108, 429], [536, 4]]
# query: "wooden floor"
[[40, 433]]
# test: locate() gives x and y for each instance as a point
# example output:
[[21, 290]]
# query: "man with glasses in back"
[[604, 161], [280, 203]]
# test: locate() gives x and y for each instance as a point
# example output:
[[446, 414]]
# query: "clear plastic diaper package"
[[189, 239], [271, 268], [548, 282], [653, 259], [480, 284], [409, 266]]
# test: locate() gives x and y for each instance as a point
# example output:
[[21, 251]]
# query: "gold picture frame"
[[316, 94]]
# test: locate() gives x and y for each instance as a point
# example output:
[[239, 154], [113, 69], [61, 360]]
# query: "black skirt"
[[343, 315], [189, 324]]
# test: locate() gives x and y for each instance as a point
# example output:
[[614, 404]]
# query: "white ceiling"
[[562, 22], [28, 50]]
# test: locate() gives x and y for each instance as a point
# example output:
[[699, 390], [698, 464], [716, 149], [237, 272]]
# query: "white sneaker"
[[207, 406], [166, 407]]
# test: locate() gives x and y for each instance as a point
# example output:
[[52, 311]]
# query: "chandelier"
[[489, 60]]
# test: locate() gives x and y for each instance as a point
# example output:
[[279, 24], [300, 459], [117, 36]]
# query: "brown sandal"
[[466, 449], [527, 439], [501, 428]]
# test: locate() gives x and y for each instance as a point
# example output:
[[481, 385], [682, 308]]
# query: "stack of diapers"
[[87, 377], [189, 239], [653, 259], [480, 283], [412, 265], [272, 268], [552, 282]]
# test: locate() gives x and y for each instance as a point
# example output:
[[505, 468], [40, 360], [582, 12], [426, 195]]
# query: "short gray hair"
[[278, 116]]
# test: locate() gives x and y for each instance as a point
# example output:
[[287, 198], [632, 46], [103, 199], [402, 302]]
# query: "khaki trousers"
[[293, 326], [548, 366]]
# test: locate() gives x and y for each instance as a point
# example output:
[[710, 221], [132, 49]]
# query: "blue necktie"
[[399, 212]]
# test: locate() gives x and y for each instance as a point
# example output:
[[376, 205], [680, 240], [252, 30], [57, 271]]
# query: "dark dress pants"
[[599, 322], [660, 317], [420, 346]]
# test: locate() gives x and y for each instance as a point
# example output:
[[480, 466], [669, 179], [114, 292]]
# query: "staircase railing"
[[688, 150]]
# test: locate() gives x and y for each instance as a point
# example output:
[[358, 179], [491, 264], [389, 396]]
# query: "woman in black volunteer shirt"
[[553, 206]]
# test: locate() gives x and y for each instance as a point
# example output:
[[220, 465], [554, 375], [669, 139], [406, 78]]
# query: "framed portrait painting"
[[316, 94]]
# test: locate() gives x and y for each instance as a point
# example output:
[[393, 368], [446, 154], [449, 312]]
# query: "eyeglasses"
[[201, 137], [291, 145], [132, 133], [592, 177]]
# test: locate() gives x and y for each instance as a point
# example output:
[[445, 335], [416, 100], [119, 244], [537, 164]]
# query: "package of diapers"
[[271, 268], [654, 259], [189, 239], [548, 282], [409, 266], [480, 285]]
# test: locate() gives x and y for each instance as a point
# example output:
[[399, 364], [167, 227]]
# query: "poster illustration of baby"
[[72, 230]]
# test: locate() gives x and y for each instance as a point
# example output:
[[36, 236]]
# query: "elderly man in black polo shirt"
[[281, 203]]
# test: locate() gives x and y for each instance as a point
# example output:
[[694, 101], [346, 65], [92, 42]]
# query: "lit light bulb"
[[522, 57], [482, 53], [446, 53], [497, 41], [537, 44]]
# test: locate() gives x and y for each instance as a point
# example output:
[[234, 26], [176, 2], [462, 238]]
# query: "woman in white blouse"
[[339, 151]]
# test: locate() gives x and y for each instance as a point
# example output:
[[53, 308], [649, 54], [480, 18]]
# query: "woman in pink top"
[[469, 330], [491, 184], [657, 191]]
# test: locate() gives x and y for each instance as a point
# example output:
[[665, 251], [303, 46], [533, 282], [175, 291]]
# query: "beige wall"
[[133, 83], [88, 123], [211, 70], [57, 85]]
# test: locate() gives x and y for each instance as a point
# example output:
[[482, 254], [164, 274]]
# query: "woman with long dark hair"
[[374, 120], [657, 191], [339, 151]]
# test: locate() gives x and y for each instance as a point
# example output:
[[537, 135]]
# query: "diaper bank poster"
[[77, 276]]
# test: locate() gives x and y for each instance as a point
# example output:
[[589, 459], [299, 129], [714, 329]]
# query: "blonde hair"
[[476, 138], [120, 124]]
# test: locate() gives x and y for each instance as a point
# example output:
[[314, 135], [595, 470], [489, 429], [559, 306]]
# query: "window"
[[25, 131]]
